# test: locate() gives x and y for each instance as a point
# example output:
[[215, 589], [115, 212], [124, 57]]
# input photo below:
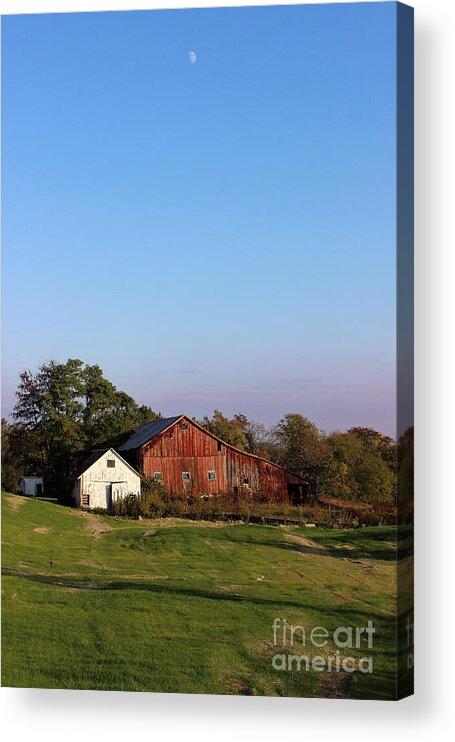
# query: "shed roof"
[[95, 455]]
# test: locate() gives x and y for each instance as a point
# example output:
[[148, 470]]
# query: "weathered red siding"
[[196, 451]]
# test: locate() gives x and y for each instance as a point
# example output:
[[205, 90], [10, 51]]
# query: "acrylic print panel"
[[207, 270]]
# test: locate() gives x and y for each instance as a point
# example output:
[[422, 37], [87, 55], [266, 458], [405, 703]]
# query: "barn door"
[[108, 496]]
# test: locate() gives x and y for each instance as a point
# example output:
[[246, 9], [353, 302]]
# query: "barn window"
[[111, 463], [158, 476], [246, 480], [186, 476], [184, 426], [219, 446], [211, 475]]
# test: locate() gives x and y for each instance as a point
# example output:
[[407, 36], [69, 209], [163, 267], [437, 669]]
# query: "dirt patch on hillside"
[[239, 687], [97, 528], [146, 577], [233, 589], [335, 685], [172, 522], [306, 545], [92, 565], [362, 563], [41, 529], [14, 501], [150, 523], [93, 522]]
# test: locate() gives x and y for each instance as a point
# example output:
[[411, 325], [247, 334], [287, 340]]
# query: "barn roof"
[[94, 456], [148, 431]]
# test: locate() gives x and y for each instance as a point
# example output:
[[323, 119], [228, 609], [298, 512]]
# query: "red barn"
[[189, 460]]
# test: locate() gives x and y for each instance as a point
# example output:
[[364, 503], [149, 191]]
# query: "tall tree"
[[229, 430], [109, 415], [383, 444], [302, 449], [405, 456], [71, 408], [21, 455], [358, 469], [259, 440], [50, 403]]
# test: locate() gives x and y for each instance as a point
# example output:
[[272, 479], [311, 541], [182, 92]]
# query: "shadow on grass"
[[380, 544], [326, 550], [174, 590], [41, 498]]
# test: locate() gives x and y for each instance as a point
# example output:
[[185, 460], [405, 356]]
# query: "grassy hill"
[[91, 601]]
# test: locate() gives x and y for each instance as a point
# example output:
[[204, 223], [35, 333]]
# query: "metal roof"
[[148, 431]]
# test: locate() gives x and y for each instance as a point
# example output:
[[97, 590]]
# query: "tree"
[[109, 415], [228, 430], [71, 408], [358, 469], [20, 455], [50, 404], [258, 437], [302, 449], [383, 444], [405, 458]]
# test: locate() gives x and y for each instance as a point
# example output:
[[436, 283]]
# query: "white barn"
[[31, 486], [104, 478]]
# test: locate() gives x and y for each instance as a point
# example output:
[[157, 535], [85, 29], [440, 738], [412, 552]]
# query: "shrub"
[[128, 505], [156, 502]]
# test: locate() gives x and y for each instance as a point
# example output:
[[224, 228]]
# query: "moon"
[[192, 57]]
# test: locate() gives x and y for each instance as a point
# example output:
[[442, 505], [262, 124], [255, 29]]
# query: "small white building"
[[104, 478], [31, 486]]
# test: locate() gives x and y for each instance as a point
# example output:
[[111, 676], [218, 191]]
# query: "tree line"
[[62, 412], [65, 410], [359, 464]]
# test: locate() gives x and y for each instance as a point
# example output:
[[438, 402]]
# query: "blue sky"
[[218, 234]]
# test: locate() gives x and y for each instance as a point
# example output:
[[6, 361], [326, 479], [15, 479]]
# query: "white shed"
[[104, 478], [31, 486]]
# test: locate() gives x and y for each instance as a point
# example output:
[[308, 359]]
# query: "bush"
[[149, 504], [156, 502], [128, 505]]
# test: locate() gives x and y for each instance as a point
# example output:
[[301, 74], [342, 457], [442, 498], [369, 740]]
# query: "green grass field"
[[91, 601]]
